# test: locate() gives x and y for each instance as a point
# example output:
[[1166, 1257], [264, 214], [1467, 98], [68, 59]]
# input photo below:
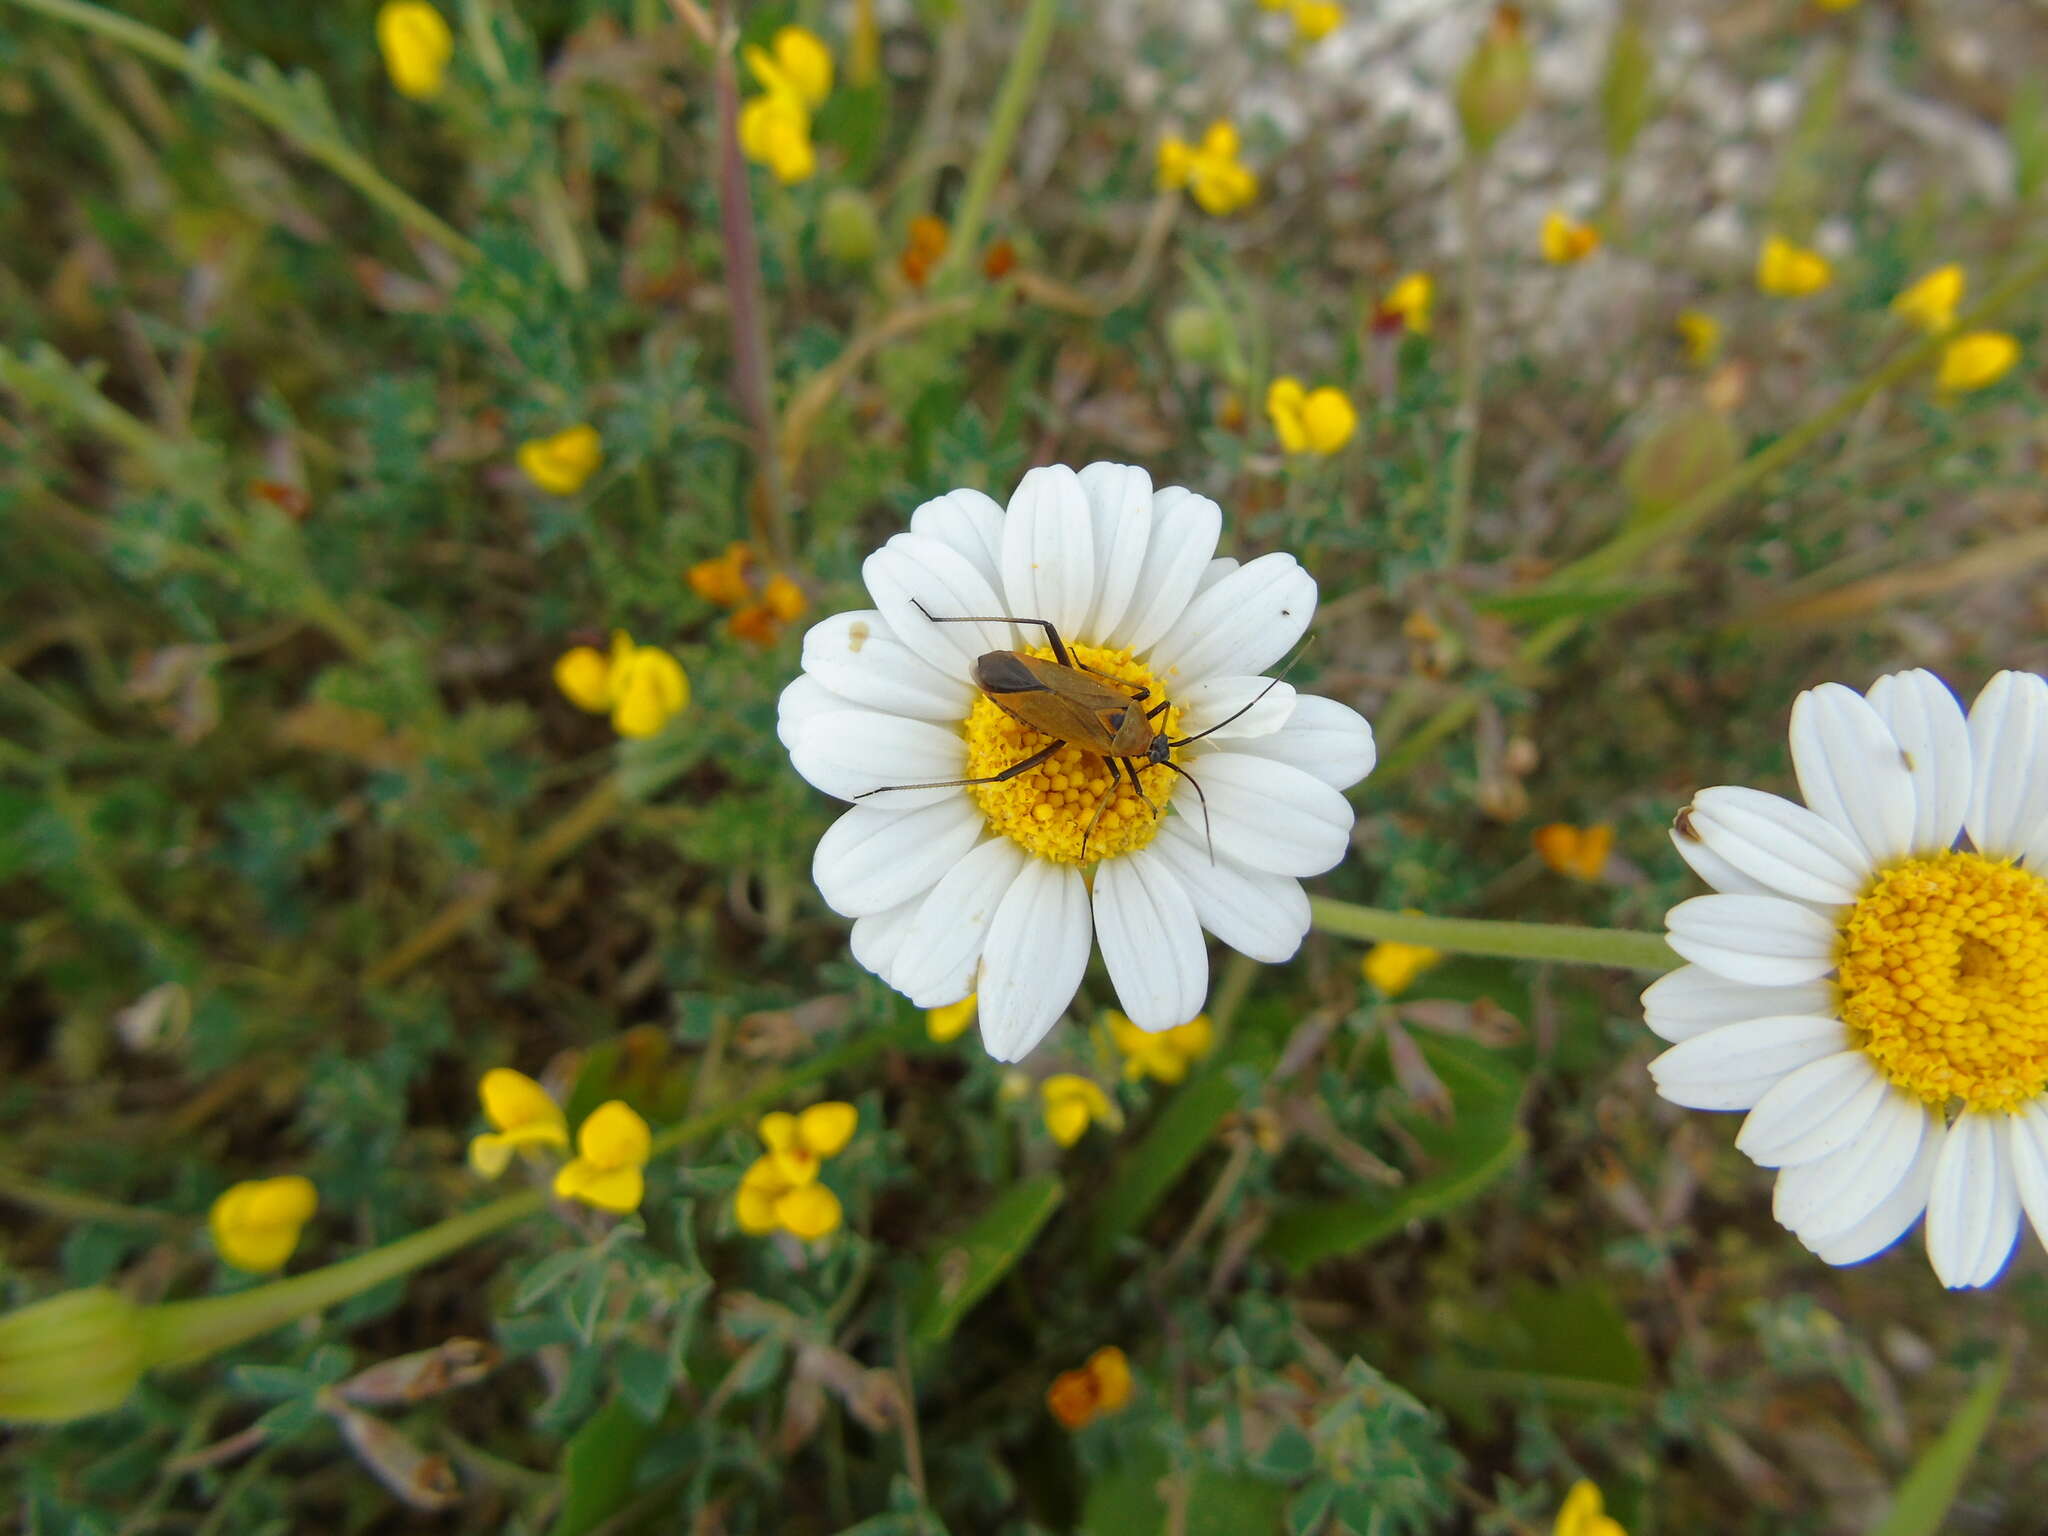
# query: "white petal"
[[1151, 941], [2027, 1131], [1322, 737], [1927, 722], [1215, 571], [911, 569], [871, 860], [1812, 1112], [801, 702], [853, 752], [1266, 815], [1032, 962], [1711, 867], [971, 523], [859, 658], [877, 940], [1049, 550], [1851, 770], [1826, 1199], [1734, 1066], [1763, 940], [1244, 623], [1692, 1000], [2009, 761], [1785, 846], [1184, 532], [1262, 706], [1973, 1206], [943, 947], [1259, 915], [1895, 1213], [1120, 511]]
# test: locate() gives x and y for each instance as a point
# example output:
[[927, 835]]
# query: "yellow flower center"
[[1944, 975], [1047, 810]]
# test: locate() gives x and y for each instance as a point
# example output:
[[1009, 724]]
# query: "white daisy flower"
[[1001, 886], [1873, 991]]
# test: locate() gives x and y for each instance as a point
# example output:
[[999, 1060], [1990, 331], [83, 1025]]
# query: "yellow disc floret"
[[1047, 810], [1944, 978]]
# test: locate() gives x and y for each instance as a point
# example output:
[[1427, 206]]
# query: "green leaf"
[[643, 1378], [546, 1275], [1920, 1507], [960, 1273], [1568, 1345], [598, 1466], [1288, 1455], [1540, 605], [1310, 1508], [1125, 1501], [271, 1381], [1483, 1141]]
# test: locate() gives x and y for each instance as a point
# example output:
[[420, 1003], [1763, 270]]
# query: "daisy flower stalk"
[[1003, 885], [1870, 979]]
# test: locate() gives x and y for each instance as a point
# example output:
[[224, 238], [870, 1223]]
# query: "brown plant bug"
[[1075, 705]]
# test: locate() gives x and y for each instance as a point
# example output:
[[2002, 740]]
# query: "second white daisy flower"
[[1871, 988], [1004, 889]]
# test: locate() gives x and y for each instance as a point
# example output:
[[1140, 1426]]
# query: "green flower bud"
[[75, 1354], [1195, 334], [1494, 89], [1679, 456], [1625, 99], [848, 228]]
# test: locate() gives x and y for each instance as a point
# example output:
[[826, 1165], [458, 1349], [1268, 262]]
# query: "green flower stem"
[[1465, 454], [1622, 948], [326, 147], [181, 1332], [1003, 124]]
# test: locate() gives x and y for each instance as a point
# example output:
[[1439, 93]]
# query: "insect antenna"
[[1279, 678], [1207, 833]]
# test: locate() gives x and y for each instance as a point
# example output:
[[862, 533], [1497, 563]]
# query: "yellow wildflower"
[[1931, 302], [1789, 271], [1581, 852], [780, 1190], [560, 464], [1975, 360], [797, 1144], [1310, 421], [1315, 20], [1408, 303], [416, 45], [642, 687], [1701, 333], [612, 1148], [1393, 967], [1566, 240], [1072, 1104], [795, 75], [951, 1021], [1079, 1397], [1584, 1514], [1209, 170], [1166, 1055], [524, 1116], [256, 1223], [724, 580]]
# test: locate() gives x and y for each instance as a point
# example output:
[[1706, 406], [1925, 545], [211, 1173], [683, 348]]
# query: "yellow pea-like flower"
[[1580, 852], [256, 1223], [1310, 421], [1584, 1514], [951, 1021], [612, 1148], [1315, 20], [775, 131], [1166, 1055], [1410, 301], [650, 688], [416, 45], [560, 464], [1566, 240], [826, 1128], [1701, 333], [1072, 1103], [1210, 171], [522, 1116], [1393, 967], [1103, 1385], [761, 1186], [797, 60], [1931, 301], [1975, 361], [1789, 271]]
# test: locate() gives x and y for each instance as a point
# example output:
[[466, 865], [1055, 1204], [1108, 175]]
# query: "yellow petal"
[[1112, 1373], [1328, 419], [613, 1136], [777, 1130], [649, 690], [489, 1155], [618, 1189], [1411, 298], [1315, 20], [1067, 1120], [1566, 240], [809, 1213], [1976, 360], [1701, 334], [754, 1208], [827, 1128], [560, 464], [1393, 967], [584, 677], [416, 45], [1583, 1514], [805, 62], [1220, 140], [256, 1223], [514, 1099], [1175, 160], [795, 1165], [1930, 303], [1785, 270], [951, 1021]]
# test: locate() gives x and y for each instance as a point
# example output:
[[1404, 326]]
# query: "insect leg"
[[995, 778], [1156, 711], [1059, 649], [1102, 804]]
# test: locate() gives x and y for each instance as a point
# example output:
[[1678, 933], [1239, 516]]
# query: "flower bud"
[[1494, 89], [1195, 334], [72, 1355], [1678, 457], [848, 228]]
